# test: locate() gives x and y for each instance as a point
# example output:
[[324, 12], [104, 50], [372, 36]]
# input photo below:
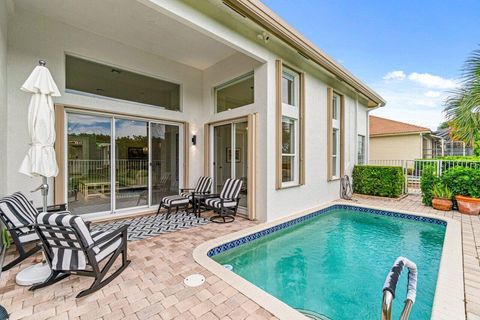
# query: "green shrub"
[[459, 158], [427, 182], [463, 181], [378, 180]]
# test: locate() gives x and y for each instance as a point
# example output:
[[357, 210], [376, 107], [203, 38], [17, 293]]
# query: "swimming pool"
[[333, 262]]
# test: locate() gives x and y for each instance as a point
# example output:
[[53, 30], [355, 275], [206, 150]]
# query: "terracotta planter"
[[468, 205], [442, 204]]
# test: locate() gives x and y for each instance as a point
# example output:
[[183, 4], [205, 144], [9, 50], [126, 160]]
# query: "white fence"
[[131, 172], [413, 169]]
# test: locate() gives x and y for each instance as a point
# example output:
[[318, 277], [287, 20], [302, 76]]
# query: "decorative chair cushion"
[[217, 203], [175, 200]]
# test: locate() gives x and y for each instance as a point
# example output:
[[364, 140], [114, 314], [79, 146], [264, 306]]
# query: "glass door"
[[89, 163], [165, 161], [222, 158], [131, 163], [117, 164], [230, 156]]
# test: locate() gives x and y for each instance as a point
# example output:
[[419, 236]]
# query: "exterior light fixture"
[[194, 139]]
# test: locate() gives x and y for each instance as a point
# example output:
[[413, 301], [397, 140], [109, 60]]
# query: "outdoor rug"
[[149, 226]]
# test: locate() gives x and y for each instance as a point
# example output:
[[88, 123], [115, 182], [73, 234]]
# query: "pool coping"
[[449, 293]]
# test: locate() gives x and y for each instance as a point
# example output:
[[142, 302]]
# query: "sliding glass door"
[[117, 164], [131, 163], [230, 155], [165, 161], [89, 141]]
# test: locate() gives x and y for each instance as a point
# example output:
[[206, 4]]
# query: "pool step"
[[312, 314]]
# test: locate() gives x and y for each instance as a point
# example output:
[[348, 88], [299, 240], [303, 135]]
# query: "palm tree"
[[463, 107]]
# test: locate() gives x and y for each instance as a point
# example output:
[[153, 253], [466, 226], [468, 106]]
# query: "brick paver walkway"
[[152, 287]]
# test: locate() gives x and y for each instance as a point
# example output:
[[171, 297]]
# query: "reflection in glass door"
[[89, 165], [230, 156], [131, 163], [165, 161]]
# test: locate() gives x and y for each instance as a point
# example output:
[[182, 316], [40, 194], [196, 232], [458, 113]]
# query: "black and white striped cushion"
[[175, 200], [203, 185], [66, 259], [231, 189], [17, 211], [217, 203], [187, 195]]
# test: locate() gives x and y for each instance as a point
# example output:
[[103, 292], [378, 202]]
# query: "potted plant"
[[465, 185], [468, 205], [442, 197]]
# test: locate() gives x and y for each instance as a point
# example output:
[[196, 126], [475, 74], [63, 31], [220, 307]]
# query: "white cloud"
[[432, 94], [417, 98], [432, 81], [395, 75]]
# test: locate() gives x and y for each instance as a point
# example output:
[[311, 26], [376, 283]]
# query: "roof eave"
[[262, 15], [398, 134]]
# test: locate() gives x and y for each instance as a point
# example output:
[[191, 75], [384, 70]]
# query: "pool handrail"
[[391, 284]]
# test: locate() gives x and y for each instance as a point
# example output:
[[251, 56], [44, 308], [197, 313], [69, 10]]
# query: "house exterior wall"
[[30, 45], [401, 147], [3, 96]]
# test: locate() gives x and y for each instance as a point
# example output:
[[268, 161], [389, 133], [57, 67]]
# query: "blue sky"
[[411, 52]]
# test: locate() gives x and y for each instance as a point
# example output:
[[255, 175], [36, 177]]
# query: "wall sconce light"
[[194, 139]]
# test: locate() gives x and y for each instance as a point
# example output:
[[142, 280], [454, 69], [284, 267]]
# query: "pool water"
[[335, 264]]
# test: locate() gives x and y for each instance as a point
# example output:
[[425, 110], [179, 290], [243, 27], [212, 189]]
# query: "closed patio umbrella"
[[40, 160]]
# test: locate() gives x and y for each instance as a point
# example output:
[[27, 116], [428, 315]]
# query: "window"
[[336, 136], [289, 150], [361, 150], [234, 94], [335, 129], [289, 127], [288, 88], [107, 81]]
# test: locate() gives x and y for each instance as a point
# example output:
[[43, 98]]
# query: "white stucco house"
[[156, 93]]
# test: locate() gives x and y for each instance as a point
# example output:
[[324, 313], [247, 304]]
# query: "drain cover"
[[194, 280], [229, 267]]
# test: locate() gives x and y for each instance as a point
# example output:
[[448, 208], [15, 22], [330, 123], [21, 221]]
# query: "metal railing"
[[391, 284], [413, 169], [128, 172]]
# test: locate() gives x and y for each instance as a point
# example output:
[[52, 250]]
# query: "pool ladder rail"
[[391, 284]]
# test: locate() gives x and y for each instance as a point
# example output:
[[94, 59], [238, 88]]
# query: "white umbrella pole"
[[44, 188]]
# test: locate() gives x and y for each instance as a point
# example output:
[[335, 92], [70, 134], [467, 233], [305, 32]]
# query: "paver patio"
[[152, 288]]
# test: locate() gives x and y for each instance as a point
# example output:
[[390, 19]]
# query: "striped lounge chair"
[[186, 196], [70, 248], [18, 215], [225, 204]]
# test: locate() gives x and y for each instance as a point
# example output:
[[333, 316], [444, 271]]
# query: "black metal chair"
[[70, 248], [18, 216], [186, 196], [225, 204]]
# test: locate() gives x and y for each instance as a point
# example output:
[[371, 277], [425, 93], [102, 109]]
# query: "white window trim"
[[293, 112], [336, 125]]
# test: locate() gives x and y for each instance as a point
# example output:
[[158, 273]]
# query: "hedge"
[[427, 181], [463, 181], [383, 181]]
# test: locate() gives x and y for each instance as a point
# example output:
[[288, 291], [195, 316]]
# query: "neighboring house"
[[395, 140], [156, 93]]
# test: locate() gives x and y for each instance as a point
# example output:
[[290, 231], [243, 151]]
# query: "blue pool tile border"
[[262, 233]]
